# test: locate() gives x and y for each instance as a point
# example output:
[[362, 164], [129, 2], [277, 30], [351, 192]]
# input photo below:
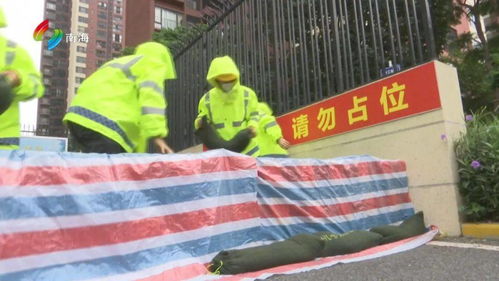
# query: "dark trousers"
[[91, 141]]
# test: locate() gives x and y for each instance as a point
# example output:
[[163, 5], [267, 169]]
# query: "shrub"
[[477, 153]]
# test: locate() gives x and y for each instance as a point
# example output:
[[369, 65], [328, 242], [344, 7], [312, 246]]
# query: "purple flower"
[[475, 164], [443, 137], [469, 117]]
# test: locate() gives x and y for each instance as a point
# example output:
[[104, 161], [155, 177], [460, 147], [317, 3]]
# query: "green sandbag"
[[299, 248], [410, 227], [6, 95], [386, 230], [348, 243], [209, 137]]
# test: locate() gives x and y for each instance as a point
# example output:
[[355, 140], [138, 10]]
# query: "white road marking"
[[464, 245]]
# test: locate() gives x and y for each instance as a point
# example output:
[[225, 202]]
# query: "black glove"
[[6, 94]]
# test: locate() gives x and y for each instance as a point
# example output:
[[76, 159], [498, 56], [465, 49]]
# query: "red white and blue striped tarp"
[[70, 216], [337, 195]]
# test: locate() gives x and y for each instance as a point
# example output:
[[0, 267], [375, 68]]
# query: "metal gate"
[[296, 52]]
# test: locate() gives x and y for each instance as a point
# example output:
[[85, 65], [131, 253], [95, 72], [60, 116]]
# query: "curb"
[[481, 230]]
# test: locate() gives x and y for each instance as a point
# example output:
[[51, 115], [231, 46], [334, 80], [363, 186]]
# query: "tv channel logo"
[[54, 40]]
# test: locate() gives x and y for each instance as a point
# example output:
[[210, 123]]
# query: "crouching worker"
[[121, 105], [230, 109], [270, 139], [19, 81]]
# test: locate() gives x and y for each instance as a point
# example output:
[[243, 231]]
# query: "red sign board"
[[408, 93]]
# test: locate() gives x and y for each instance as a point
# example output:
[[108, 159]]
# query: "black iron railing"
[[295, 52]]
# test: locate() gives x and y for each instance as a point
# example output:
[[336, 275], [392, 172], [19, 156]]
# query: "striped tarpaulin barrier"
[[71, 216], [337, 195]]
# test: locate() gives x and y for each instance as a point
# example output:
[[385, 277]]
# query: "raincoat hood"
[[264, 108], [158, 52], [222, 66], [3, 20]]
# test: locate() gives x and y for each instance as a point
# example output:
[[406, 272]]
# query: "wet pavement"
[[428, 262]]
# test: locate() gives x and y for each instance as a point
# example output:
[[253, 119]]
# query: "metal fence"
[[296, 52]]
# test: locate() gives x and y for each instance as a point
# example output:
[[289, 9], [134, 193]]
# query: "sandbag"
[[6, 94], [410, 227], [209, 137], [351, 242], [299, 248]]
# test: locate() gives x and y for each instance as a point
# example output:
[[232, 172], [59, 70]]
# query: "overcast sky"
[[23, 16]]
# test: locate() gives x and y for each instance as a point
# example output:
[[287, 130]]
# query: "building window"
[[117, 10], [192, 4], [47, 53], [81, 49], [82, 29], [81, 59], [83, 19], [99, 63], [83, 10], [101, 44], [164, 18], [100, 53], [50, 15], [116, 27], [50, 6], [102, 15], [80, 69], [101, 33], [79, 80], [102, 5], [102, 24], [117, 47], [117, 38], [193, 20]]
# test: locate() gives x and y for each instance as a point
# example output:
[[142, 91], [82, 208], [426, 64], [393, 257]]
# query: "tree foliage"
[[178, 38], [476, 59], [474, 10], [174, 39]]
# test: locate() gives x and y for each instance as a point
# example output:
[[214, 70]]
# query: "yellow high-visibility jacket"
[[13, 57], [233, 111], [124, 99], [269, 132]]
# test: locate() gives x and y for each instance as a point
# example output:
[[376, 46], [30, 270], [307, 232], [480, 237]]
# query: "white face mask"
[[227, 87]]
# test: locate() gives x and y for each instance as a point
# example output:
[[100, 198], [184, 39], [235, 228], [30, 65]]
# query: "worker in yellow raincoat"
[[229, 106], [270, 139], [20, 81], [122, 105]]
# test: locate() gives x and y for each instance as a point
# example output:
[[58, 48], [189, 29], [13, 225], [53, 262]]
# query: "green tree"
[[476, 82], [477, 66], [474, 10], [177, 38], [174, 39], [128, 51]]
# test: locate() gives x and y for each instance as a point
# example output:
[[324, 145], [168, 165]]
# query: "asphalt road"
[[424, 263]]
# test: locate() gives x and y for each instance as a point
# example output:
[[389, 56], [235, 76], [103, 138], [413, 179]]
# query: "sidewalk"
[[429, 262]]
